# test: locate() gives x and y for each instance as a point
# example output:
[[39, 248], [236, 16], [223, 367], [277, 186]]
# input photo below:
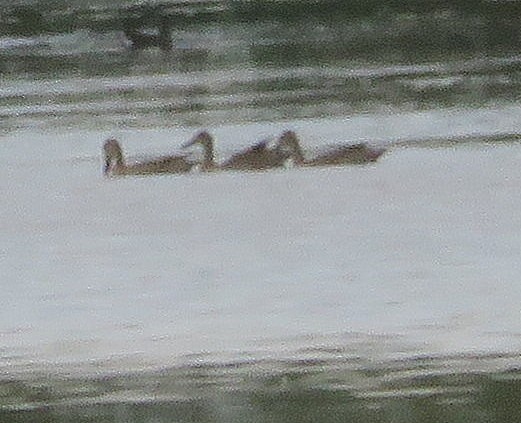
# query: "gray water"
[[421, 82]]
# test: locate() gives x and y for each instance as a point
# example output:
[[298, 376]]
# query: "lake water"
[[380, 293]]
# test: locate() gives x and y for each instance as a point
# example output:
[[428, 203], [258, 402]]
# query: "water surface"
[[385, 293]]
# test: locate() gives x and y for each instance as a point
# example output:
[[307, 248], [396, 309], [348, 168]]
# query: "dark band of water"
[[328, 386]]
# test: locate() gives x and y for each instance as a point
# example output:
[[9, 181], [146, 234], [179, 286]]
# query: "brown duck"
[[257, 157], [336, 155], [115, 163]]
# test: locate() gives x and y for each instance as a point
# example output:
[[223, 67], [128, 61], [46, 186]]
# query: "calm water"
[[414, 74]]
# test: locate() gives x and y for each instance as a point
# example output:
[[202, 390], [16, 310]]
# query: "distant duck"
[[115, 163], [257, 157], [147, 25], [141, 40], [336, 155]]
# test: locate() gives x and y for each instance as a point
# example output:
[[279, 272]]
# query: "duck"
[[115, 163], [257, 157], [336, 155], [147, 26]]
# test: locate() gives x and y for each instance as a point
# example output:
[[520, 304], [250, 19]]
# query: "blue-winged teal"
[[115, 163], [257, 157], [335, 155]]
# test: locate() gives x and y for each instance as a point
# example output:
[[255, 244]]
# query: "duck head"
[[289, 144], [205, 140], [113, 156]]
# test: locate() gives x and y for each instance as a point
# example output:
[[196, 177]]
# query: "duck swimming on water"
[[257, 157], [336, 155], [115, 163]]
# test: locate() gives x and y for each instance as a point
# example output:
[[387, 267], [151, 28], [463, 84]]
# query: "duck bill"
[[106, 167], [375, 153], [190, 142]]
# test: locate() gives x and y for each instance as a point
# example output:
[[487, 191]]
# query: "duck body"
[[337, 155], [115, 163], [257, 157], [347, 154]]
